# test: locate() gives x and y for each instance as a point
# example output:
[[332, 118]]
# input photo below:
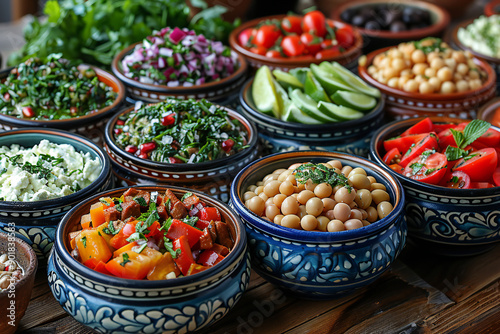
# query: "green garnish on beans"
[[53, 89], [319, 173]]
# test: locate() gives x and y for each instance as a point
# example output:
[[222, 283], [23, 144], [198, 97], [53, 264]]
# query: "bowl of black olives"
[[386, 23]]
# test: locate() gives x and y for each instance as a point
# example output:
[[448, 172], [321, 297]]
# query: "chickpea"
[[357, 170], [418, 56], [335, 164], [291, 179], [302, 211], [308, 223], [436, 83], [356, 214], [278, 200], [402, 81], [363, 198], [304, 196], [344, 195], [475, 84], [393, 82], [291, 221], [377, 185], [372, 214], [256, 205], [448, 87], [444, 74], [360, 181], [295, 166], [284, 175], [310, 185], [336, 226], [286, 188], [451, 63], [419, 79], [272, 211], [379, 195], [473, 74], [330, 214], [372, 70], [425, 88], [411, 86], [432, 55], [407, 73], [430, 72], [270, 201], [458, 56], [279, 171], [385, 63], [252, 188], [328, 204], [383, 209], [437, 63], [323, 190], [248, 195], [322, 223], [398, 64], [270, 177], [372, 179], [289, 206], [462, 86], [259, 189], [346, 170], [457, 77], [353, 224], [263, 196], [390, 72], [277, 219], [342, 211], [419, 68], [273, 188], [314, 206], [395, 53]]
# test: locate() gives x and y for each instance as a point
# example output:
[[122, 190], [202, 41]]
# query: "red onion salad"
[[179, 57]]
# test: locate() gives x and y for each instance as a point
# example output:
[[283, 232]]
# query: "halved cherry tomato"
[[345, 37], [267, 35], [245, 36], [438, 128], [292, 46], [428, 143], [490, 138], [402, 143], [458, 180], [273, 54], [496, 177], [328, 53], [397, 168], [292, 24], [446, 137], [392, 157], [424, 126], [429, 169], [496, 118], [481, 185], [314, 23], [312, 43], [479, 165]]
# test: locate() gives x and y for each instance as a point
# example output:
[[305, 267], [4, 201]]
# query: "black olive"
[[347, 15], [372, 25], [358, 20], [398, 26]]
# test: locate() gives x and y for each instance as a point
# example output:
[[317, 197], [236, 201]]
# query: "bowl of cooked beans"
[[428, 78], [18, 264], [320, 224]]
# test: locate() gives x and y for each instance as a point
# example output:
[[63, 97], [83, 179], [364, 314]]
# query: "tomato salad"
[[148, 235], [295, 36], [461, 156]]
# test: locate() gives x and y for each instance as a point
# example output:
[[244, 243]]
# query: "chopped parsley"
[[125, 260], [319, 173], [84, 242], [170, 248], [191, 221], [186, 195], [141, 201]]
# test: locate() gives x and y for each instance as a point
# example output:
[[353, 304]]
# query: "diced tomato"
[[147, 147], [185, 259], [201, 224], [481, 185], [424, 126], [428, 143], [118, 240], [491, 138], [392, 157], [153, 229], [174, 160], [429, 169], [227, 145], [168, 120], [209, 258], [402, 143], [458, 180], [101, 267], [438, 128], [129, 229], [209, 213], [479, 165], [397, 168], [496, 177], [178, 229], [28, 112]]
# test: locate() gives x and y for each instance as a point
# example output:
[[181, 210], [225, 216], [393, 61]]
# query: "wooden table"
[[421, 293]]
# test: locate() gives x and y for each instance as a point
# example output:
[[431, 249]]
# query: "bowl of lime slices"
[[322, 107]]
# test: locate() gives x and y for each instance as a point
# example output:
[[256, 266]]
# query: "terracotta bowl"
[[36, 222], [90, 126], [487, 112], [219, 91], [15, 300], [276, 135], [492, 8], [111, 304], [320, 265], [375, 39], [447, 221], [211, 177], [401, 104], [347, 59]]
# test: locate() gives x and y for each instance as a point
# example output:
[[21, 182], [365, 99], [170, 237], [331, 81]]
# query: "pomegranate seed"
[[173, 160], [143, 156], [6, 97], [148, 147], [131, 149], [168, 120], [28, 112], [118, 131], [73, 110], [120, 122], [7, 268], [227, 145]]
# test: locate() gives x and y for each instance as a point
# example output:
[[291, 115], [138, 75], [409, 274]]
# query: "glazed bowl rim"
[[316, 237], [293, 61], [442, 21], [65, 256], [493, 103], [117, 70], [248, 108], [65, 200], [421, 186], [178, 167], [68, 122], [385, 89], [454, 36], [32, 260], [488, 9]]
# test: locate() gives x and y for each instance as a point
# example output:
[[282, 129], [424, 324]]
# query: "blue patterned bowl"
[[36, 222], [447, 221], [279, 136], [115, 305], [320, 265]]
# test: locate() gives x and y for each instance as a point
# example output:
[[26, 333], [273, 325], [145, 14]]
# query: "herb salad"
[[52, 90], [176, 131]]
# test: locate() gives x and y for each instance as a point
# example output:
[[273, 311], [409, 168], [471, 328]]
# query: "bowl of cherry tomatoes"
[[450, 171], [290, 41]]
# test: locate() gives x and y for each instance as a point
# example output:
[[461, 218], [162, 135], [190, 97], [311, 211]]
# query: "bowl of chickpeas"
[[18, 265], [320, 224], [428, 78]]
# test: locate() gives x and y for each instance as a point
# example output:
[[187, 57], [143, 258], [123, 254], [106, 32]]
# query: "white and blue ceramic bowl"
[[110, 304], [278, 136], [452, 222], [36, 222], [320, 265]]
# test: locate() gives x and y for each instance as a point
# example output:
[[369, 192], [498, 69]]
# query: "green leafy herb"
[[416, 167], [136, 236], [430, 171], [84, 242], [191, 221], [170, 248], [454, 179], [125, 260], [166, 225], [138, 249], [467, 158], [141, 201], [319, 173], [429, 44], [3, 170], [110, 229], [76, 188], [455, 153], [186, 195], [471, 132], [103, 201]]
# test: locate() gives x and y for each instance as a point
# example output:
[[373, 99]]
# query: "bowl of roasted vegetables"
[[151, 258], [450, 172], [57, 93], [320, 224], [183, 142]]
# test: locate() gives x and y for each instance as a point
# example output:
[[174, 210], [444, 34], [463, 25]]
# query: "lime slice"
[[287, 80], [341, 113], [356, 101], [330, 83], [300, 73], [264, 93], [294, 114], [349, 78], [313, 88], [282, 96], [309, 106]]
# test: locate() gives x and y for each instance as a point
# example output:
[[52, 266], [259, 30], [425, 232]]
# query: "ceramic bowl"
[[402, 104], [320, 265], [115, 305], [90, 126], [447, 221], [211, 177], [36, 222], [375, 39], [487, 112], [15, 300], [276, 135], [492, 8], [347, 59], [222, 91]]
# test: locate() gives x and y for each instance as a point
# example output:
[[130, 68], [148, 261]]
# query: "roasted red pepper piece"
[[178, 229], [185, 258], [209, 213], [209, 258]]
